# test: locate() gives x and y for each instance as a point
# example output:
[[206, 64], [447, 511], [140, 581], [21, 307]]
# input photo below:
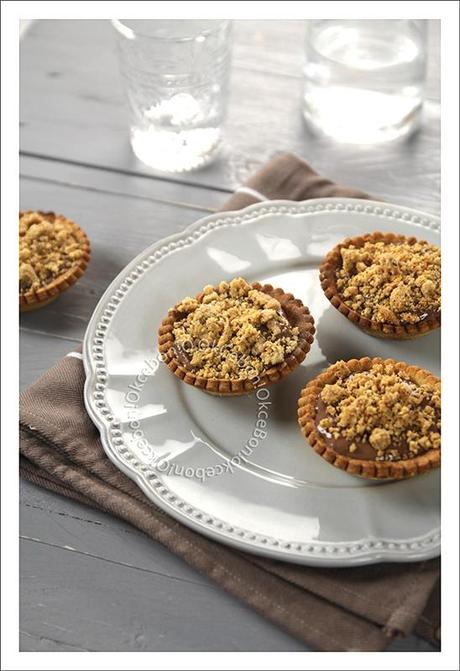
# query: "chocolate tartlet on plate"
[[373, 417], [236, 337], [387, 284], [53, 255]]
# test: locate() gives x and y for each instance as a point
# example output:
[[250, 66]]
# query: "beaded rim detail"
[[362, 551]]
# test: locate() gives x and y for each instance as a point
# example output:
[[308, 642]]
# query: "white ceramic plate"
[[199, 457]]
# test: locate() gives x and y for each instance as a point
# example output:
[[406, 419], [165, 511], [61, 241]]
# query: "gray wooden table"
[[89, 581]]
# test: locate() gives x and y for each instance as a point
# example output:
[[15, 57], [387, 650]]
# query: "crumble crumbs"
[[235, 332], [391, 283], [384, 408], [47, 249]]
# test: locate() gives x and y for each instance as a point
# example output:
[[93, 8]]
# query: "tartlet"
[[375, 418], [53, 255], [236, 337], [387, 284]]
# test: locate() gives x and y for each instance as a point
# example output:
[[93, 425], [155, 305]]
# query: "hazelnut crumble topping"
[[47, 249], [384, 409], [391, 283], [235, 332]]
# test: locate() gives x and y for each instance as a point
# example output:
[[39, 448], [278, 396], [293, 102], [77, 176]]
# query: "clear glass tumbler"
[[364, 79], [176, 79]]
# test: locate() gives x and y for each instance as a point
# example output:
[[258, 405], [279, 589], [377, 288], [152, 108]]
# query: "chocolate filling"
[[430, 316], [364, 449], [184, 355]]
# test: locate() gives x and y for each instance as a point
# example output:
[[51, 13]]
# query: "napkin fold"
[[330, 609]]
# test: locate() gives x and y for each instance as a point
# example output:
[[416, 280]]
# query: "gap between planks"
[[69, 339], [68, 548], [122, 171], [40, 639], [73, 185]]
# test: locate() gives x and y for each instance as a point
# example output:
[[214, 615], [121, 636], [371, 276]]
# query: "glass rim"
[[130, 34]]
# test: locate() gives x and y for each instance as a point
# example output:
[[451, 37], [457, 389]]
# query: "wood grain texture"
[[123, 184], [91, 585], [96, 535], [71, 67], [38, 352], [89, 581]]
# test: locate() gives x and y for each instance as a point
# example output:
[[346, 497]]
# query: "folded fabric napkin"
[[330, 609]]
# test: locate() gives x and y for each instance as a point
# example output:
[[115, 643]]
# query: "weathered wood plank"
[[37, 353], [72, 601], [123, 184], [75, 603], [62, 523], [64, 530], [70, 67]]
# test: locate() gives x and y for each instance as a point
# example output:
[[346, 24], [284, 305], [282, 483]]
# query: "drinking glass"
[[364, 79], [176, 80]]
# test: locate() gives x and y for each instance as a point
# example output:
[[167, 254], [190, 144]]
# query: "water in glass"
[[364, 79], [176, 80]]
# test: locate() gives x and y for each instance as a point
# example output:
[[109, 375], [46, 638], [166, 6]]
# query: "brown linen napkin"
[[329, 609]]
